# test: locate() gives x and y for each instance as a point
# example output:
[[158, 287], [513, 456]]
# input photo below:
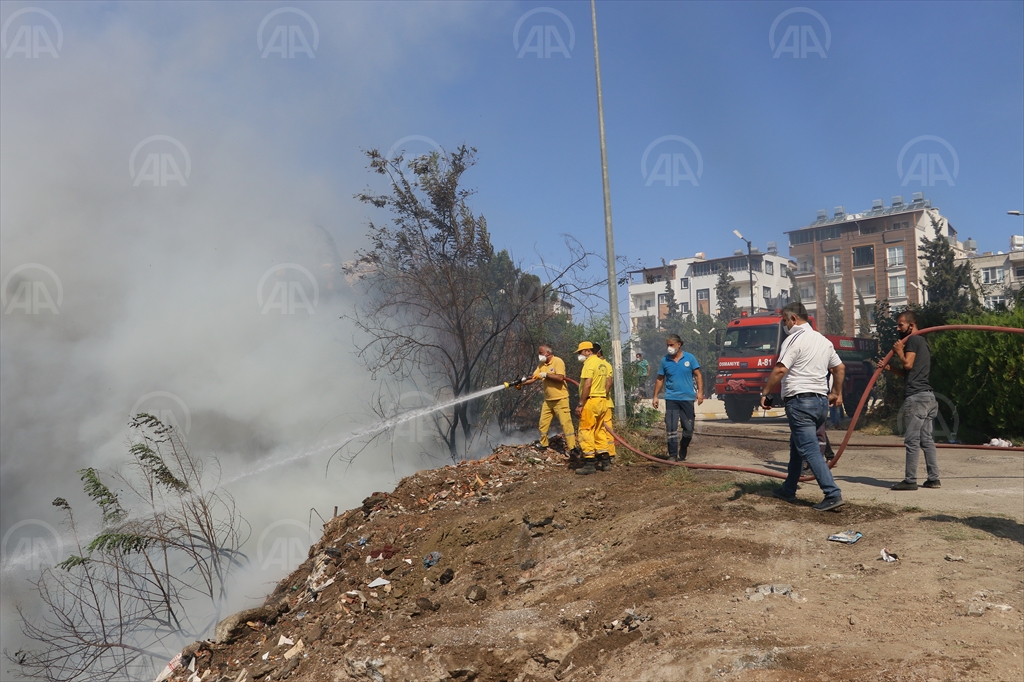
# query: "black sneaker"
[[932, 484], [587, 468], [904, 485], [777, 493], [829, 503], [604, 462]]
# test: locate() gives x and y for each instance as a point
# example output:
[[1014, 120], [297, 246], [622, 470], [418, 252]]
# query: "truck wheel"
[[738, 410], [850, 405]]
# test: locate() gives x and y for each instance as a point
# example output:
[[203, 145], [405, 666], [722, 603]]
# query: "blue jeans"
[[805, 415], [920, 411], [678, 413]]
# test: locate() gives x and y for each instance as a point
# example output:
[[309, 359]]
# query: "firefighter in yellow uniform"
[[592, 411], [607, 424], [551, 370]]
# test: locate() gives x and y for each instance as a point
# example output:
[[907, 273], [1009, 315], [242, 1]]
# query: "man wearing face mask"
[[592, 411], [919, 405], [805, 360], [679, 373], [551, 370]]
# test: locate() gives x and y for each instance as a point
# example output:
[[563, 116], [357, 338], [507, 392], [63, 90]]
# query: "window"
[[863, 256], [769, 267], [992, 275], [784, 294], [805, 266], [894, 256], [701, 269], [662, 299], [784, 270], [899, 226], [870, 228], [686, 308], [898, 286], [648, 303], [804, 237], [823, 233], [836, 288], [767, 293], [703, 294], [684, 283], [1019, 272], [865, 287], [995, 302], [807, 291], [833, 264]]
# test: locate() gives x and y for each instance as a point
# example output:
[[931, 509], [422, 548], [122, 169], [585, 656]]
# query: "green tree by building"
[[726, 294], [834, 322]]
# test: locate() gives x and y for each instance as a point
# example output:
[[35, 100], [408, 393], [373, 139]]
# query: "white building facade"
[[999, 275], [693, 282]]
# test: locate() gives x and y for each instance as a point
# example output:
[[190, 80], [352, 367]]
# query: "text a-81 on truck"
[[749, 349]]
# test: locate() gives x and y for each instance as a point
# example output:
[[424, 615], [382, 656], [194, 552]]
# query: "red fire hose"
[[853, 420]]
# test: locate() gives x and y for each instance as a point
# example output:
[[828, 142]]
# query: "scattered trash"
[[950, 557], [266, 656], [408, 561], [447, 576], [302, 615], [379, 582], [1000, 443], [169, 669], [285, 640], [362, 542], [847, 537], [431, 559], [295, 650], [888, 556]]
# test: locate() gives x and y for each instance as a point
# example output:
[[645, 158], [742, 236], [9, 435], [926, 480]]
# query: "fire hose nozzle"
[[516, 383]]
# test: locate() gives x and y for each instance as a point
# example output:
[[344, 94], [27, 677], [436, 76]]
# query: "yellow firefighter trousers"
[[559, 408], [594, 438]]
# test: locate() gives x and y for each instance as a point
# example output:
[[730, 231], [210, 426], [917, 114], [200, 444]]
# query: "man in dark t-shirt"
[[919, 405]]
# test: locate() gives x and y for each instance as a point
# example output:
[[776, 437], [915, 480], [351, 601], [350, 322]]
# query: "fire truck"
[[750, 349]]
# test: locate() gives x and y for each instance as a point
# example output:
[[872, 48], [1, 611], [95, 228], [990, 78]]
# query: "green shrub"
[[982, 373]]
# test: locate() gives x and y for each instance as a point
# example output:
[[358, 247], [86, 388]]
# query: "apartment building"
[[875, 253], [693, 283], [999, 275]]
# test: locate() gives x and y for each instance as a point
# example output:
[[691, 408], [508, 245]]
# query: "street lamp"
[[1013, 213], [750, 269]]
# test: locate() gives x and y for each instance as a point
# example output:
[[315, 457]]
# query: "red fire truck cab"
[[750, 349]]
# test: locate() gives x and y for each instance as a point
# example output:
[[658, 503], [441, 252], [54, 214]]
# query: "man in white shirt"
[[805, 361]]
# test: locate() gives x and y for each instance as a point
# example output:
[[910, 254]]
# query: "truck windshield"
[[740, 341]]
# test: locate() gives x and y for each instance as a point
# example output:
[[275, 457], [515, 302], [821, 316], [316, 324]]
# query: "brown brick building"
[[875, 253]]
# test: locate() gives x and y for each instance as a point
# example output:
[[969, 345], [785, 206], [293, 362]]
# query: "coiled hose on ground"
[[853, 420]]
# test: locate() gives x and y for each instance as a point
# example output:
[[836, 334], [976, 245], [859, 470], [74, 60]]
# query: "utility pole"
[[613, 289], [750, 269]]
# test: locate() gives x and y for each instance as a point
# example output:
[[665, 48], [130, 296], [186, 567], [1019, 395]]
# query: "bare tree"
[[440, 304], [152, 580]]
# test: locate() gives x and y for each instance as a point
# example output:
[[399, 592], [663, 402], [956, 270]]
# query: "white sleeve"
[[786, 354], [834, 361]]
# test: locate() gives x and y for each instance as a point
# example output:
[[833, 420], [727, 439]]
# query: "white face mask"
[[543, 358], [672, 350], [581, 358], [790, 330]]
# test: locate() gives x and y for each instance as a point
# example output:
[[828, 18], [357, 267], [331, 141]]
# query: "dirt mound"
[[513, 568]]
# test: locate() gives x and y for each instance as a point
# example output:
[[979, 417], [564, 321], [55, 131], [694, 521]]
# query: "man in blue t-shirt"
[[678, 374]]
